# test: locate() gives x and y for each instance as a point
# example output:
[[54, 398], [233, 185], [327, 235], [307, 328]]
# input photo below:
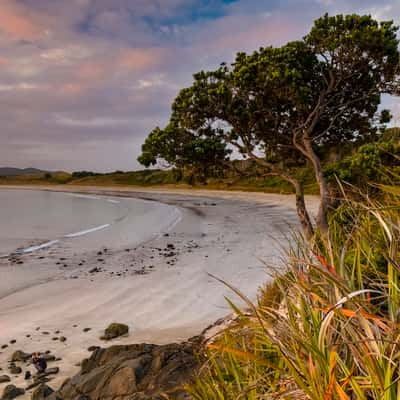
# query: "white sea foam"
[[38, 247], [86, 231], [176, 220]]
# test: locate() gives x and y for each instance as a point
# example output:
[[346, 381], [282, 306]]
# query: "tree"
[[202, 154], [283, 107]]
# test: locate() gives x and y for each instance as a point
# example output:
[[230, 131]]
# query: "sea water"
[[31, 220]]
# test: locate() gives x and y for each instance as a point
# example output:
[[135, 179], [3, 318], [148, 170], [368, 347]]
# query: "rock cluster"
[[133, 372]]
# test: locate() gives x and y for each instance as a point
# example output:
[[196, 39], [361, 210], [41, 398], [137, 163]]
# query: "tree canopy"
[[285, 106]]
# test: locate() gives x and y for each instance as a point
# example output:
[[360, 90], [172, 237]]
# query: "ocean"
[[31, 220]]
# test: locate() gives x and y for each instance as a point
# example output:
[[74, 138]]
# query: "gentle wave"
[[38, 247], [86, 231]]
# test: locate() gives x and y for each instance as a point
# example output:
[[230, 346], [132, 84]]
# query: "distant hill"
[[10, 171]]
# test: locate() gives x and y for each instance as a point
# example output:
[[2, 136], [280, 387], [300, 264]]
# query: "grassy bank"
[[147, 178], [328, 325]]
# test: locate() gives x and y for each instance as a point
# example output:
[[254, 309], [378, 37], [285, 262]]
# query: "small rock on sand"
[[20, 355], [115, 330]]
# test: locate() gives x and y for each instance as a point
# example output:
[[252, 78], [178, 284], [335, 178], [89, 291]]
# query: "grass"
[[170, 178], [328, 325]]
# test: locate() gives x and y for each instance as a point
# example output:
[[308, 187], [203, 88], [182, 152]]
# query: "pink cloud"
[[246, 33], [141, 59], [93, 71], [71, 89], [4, 62], [19, 22]]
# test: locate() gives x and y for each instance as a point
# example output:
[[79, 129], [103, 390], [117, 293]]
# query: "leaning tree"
[[284, 106]]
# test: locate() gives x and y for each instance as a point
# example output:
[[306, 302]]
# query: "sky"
[[83, 82]]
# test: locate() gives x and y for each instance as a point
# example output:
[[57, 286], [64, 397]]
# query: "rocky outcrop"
[[133, 372]]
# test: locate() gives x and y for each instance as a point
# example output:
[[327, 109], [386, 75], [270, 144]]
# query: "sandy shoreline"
[[161, 288]]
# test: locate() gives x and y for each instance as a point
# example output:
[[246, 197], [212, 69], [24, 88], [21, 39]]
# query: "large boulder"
[[134, 372], [11, 392], [115, 330]]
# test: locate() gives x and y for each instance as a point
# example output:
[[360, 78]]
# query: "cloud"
[[142, 58], [20, 22], [82, 82]]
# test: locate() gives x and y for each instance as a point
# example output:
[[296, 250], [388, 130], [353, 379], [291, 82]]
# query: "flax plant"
[[330, 329]]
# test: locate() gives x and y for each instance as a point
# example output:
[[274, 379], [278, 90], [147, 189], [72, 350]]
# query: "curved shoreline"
[[227, 234], [123, 218]]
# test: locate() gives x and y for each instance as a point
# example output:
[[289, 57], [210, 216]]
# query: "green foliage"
[[334, 333], [371, 163], [267, 100], [83, 174], [203, 155], [287, 107]]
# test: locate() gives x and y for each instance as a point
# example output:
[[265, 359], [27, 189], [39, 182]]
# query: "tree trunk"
[[302, 212], [322, 216], [301, 208]]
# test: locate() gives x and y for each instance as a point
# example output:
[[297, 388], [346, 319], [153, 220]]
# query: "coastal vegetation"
[[327, 327]]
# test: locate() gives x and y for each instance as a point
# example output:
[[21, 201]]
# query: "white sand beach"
[[161, 288]]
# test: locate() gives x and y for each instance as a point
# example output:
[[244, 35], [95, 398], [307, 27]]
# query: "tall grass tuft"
[[328, 327]]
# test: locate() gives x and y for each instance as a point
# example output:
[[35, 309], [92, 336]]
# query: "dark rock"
[[49, 357], [87, 329], [4, 378], [63, 339], [4, 346], [37, 382], [94, 270], [115, 330], [93, 348], [11, 392], [41, 392], [138, 371], [28, 375], [13, 341], [49, 371], [20, 355], [15, 370]]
